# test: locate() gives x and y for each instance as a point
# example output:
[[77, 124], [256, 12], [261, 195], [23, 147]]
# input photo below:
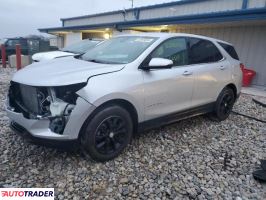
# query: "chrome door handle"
[[187, 73], [222, 67]]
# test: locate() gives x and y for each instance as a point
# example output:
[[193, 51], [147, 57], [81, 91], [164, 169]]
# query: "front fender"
[[118, 96], [116, 86]]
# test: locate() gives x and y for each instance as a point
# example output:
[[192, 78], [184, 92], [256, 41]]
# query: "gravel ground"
[[192, 159]]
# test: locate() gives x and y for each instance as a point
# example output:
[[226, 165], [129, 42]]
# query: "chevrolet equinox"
[[123, 86]]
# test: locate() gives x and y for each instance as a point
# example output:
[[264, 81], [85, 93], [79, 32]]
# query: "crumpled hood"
[[50, 55], [62, 71]]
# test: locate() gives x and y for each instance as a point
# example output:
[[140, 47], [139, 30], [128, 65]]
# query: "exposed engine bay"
[[53, 103]]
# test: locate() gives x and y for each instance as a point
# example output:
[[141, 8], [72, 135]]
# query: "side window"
[[203, 51], [230, 50], [174, 49]]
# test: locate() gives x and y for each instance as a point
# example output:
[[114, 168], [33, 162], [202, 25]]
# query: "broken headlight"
[[62, 102], [68, 93]]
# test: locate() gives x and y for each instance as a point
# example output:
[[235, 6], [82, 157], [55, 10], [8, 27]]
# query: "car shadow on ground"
[[177, 131]]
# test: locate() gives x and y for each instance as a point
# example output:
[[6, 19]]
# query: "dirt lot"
[[185, 160]]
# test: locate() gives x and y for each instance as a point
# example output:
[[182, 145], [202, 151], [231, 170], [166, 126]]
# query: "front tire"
[[107, 134], [224, 105]]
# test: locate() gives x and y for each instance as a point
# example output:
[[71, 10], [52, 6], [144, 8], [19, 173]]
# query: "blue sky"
[[24, 17]]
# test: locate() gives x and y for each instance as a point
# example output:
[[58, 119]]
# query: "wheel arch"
[[118, 102], [233, 87]]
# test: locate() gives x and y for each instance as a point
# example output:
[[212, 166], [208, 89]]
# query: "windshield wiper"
[[79, 56], [100, 61], [94, 60], [103, 61], [67, 51]]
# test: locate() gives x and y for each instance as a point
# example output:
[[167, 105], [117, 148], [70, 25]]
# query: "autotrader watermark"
[[27, 193]]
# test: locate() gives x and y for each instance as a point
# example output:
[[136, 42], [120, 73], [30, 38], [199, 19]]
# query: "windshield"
[[13, 43], [120, 50], [81, 47]]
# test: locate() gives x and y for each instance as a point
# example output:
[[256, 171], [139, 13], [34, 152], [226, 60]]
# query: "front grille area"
[[29, 98], [24, 98]]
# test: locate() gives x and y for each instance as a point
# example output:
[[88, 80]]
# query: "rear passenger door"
[[212, 70]]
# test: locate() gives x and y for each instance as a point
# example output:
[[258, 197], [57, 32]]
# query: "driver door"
[[166, 90]]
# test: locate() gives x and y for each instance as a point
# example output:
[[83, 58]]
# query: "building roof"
[[240, 10], [161, 5]]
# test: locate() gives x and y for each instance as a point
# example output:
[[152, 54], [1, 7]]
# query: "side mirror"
[[160, 63]]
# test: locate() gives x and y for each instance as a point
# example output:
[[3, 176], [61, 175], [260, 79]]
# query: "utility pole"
[[132, 3]]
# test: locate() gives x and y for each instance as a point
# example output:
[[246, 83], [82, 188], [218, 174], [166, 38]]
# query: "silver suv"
[[123, 86]]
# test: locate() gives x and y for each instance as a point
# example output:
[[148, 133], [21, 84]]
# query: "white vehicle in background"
[[71, 50]]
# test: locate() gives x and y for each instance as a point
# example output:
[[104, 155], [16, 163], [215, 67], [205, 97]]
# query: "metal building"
[[241, 22]]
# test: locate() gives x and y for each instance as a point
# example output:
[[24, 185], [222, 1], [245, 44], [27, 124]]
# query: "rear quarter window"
[[230, 50], [203, 51]]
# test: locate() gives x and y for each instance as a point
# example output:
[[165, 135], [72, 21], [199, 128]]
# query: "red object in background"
[[248, 75], [3, 54], [18, 56]]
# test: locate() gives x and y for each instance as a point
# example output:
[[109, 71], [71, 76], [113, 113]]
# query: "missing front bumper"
[[66, 144]]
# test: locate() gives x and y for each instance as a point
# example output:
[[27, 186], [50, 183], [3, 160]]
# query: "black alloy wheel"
[[107, 133], [226, 104], [223, 105], [110, 135]]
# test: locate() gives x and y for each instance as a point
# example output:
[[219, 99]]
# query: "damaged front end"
[[51, 103]]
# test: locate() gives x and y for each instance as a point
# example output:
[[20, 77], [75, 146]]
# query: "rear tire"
[[107, 134], [223, 105]]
